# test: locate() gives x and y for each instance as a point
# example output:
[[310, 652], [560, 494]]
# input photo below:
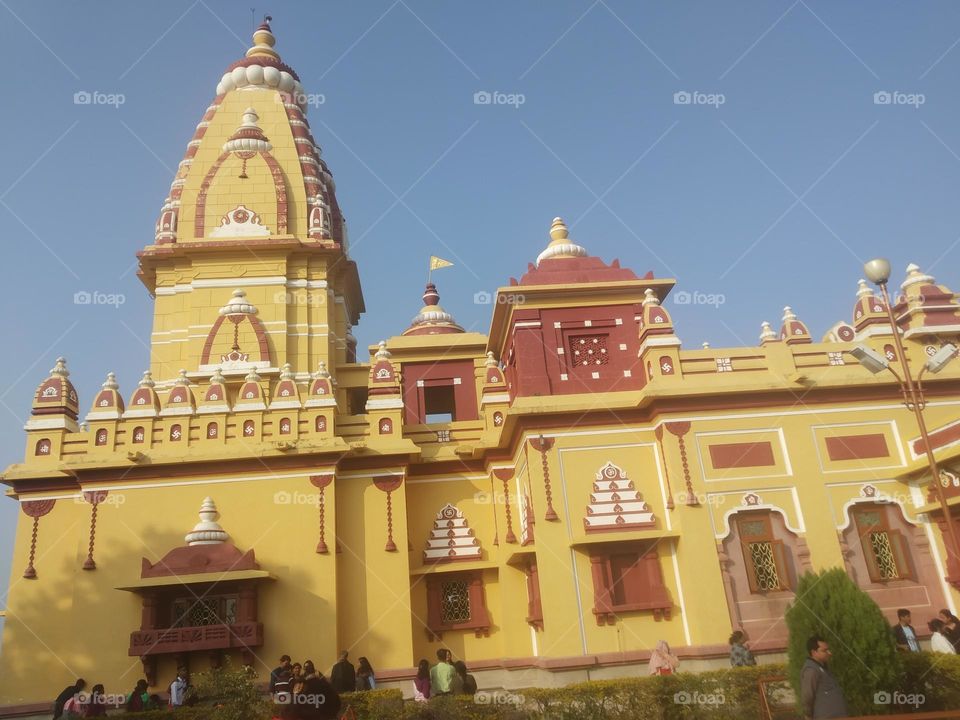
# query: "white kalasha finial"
[[208, 530], [60, 368], [238, 305], [767, 332], [382, 353]]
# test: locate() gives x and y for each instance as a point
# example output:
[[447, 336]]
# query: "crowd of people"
[[301, 692], [73, 703]]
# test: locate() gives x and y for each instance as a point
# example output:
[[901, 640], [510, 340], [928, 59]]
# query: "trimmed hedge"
[[730, 694]]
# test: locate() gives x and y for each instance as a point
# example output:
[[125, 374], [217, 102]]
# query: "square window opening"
[[439, 404]]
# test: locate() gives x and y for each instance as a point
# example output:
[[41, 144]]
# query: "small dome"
[[108, 403], [560, 244], [208, 531], [56, 395], [144, 402], [432, 319]]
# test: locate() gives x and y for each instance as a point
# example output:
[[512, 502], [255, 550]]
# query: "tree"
[[865, 663], [233, 692]]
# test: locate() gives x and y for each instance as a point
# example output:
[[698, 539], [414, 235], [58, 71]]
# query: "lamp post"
[[878, 272]]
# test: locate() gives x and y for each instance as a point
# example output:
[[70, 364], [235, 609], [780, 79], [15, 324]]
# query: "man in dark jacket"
[[820, 694], [317, 700], [68, 692], [904, 633], [280, 676], [342, 676]]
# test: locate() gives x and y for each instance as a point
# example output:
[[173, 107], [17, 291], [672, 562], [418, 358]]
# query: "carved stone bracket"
[[35, 509], [94, 498], [388, 484], [679, 429], [542, 445], [321, 482], [666, 471], [505, 475]]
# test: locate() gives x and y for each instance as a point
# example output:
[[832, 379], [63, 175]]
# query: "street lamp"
[[878, 272]]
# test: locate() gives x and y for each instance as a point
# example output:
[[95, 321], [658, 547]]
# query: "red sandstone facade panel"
[[739, 455], [856, 447]]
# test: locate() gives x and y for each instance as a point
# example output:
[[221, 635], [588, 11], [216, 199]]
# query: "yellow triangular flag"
[[436, 263]]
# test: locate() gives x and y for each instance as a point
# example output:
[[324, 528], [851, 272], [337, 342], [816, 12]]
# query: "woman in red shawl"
[[662, 661]]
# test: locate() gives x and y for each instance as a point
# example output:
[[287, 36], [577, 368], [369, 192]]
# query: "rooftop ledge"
[[197, 579]]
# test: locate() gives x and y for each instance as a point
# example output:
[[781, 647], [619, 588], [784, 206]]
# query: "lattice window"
[[191, 612], [724, 365], [588, 350], [884, 548], [764, 566], [883, 553], [454, 602], [836, 358], [763, 554]]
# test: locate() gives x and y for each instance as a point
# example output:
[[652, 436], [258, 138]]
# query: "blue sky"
[[771, 187]]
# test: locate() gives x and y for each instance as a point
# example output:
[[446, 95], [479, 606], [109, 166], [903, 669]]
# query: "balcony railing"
[[203, 637]]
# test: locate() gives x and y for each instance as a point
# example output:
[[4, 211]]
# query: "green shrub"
[[930, 679], [830, 604], [373, 704]]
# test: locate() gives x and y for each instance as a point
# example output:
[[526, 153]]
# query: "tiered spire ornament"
[[56, 395], [925, 307], [869, 308], [276, 83], [208, 531], [286, 394], [561, 246], [214, 398], [108, 404], [793, 331], [181, 400], [615, 504], [767, 334], [251, 393], [432, 319], [655, 320], [451, 538], [144, 402]]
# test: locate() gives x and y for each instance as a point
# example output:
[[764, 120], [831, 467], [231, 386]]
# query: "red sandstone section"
[[857, 447], [737, 455]]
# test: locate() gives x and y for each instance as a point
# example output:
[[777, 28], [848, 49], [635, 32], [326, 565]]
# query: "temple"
[[547, 500]]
